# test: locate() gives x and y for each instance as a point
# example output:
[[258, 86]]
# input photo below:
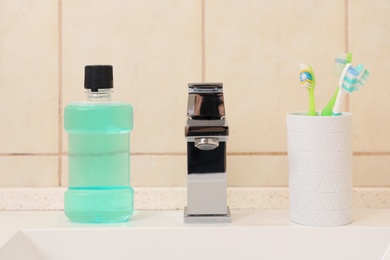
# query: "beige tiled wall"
[[157, 47]]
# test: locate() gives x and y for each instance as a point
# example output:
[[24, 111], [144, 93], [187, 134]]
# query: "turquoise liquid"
[[99, 162]]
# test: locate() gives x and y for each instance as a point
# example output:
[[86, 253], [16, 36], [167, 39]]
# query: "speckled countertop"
[[165, 198]]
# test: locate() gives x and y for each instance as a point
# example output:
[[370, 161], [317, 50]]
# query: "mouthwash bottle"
[[99, 152]]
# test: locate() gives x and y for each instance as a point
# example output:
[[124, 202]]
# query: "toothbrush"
[[351, 79], [340, 62], [308, 81]]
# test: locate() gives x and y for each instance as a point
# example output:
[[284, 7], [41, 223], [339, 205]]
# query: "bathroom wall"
[[158, 46]]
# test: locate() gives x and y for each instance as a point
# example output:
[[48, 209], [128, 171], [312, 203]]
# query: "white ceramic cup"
[[320, 169]]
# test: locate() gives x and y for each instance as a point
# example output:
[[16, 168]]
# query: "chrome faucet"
[[206, 132]]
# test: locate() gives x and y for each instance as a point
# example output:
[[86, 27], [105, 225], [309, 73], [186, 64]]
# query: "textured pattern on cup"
[[320, 169]]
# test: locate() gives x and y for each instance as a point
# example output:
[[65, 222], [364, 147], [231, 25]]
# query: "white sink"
[[163, 235]]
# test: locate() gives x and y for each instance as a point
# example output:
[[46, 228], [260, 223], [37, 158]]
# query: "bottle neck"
[[100, 95]]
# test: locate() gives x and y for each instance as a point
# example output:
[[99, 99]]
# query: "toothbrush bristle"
[[355, 78], [363, 75], [306, 76], [350, 87], [341, 61], [363, 79]]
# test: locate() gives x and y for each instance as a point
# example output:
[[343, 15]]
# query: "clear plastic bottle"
[[99, 153]]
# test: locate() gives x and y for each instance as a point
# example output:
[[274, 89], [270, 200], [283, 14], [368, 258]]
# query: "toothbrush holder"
[[320, 169]]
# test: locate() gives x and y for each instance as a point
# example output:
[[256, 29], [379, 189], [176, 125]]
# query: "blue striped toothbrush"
[[351, 80], [341, 61]]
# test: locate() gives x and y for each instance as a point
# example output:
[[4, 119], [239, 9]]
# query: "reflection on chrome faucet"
[[205, 102]]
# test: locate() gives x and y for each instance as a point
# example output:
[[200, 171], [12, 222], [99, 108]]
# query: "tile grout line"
[[59, 93], [28, 154], [380, 153], [346, 47], [203, 25], [346, 25]]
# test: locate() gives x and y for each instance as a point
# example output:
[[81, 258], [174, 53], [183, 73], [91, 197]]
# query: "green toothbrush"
[[306, 76], [341, 61]]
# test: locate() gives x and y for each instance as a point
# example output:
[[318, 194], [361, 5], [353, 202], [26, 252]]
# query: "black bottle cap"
[[98, 77]]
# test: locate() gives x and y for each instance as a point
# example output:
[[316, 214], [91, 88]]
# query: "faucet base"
[[207, 194], [203, 219]]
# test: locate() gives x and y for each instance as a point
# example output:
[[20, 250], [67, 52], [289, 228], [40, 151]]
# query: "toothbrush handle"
[[337, 105], [327, 111], [312, 109]]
